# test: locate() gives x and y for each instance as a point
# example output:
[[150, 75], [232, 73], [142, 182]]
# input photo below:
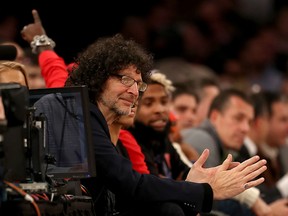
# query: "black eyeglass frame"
[[142, 86]]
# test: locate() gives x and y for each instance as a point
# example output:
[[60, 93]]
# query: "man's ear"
[[214, 115]]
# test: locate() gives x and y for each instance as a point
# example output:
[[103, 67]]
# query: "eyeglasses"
[[128, 81]]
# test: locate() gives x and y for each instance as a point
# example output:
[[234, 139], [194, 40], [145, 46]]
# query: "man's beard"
[[120, 112], [114, 108]]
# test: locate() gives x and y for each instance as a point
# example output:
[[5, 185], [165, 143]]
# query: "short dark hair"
[[272, 98], [206, 82], [106, 56], [221, 101], [197, 86], [260, 104], [184, 89]]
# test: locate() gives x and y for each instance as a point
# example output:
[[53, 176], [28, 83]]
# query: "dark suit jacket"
[[160, 156], [127, 188]]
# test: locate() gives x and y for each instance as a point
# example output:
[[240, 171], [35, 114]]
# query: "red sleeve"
[[53, 69], [134, 151]]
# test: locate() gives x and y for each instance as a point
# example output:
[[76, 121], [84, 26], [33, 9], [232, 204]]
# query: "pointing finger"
[[36, 16]]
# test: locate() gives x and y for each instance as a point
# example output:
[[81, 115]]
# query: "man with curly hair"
[[116, 71]]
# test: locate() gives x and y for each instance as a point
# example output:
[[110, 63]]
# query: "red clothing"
[[53, 69], [134, 151]]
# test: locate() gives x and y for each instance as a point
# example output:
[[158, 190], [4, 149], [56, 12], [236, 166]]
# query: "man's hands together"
[[230, 178]]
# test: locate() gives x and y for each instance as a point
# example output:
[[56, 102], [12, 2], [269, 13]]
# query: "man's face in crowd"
[[35, 79], [233, 123], [154, 107], [278, 130], [184, 107], [116, 97]]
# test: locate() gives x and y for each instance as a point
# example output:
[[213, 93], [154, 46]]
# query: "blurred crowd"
[[220, 82]]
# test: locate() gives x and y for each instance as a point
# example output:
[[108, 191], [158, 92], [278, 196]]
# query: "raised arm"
[[53, 67]]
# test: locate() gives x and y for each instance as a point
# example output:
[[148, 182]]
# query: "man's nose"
[[134, 89], [245, 126]]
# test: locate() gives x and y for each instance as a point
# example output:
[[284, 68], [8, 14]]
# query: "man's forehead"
[[235, 100], [155, 90], [155, 96], [236, 103], [279, 106]]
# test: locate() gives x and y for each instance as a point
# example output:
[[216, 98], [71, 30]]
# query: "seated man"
[[223, 132], [114, 83]]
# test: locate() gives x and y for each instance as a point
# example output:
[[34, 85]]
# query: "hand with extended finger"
[[200, 174], [35, 34], [31, 30], [228, 179]]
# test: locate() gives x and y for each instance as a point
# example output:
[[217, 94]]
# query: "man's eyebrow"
[[147, 98]]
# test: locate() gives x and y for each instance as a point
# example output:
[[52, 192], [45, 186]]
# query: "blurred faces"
[[261, 125], [11, 75], [184, 107], [209, 93], [117, 99], [128, 120], [34, 77], [154, 107], [278, 130], [233, 123]]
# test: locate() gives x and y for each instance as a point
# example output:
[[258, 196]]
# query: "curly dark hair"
[[106, 56]]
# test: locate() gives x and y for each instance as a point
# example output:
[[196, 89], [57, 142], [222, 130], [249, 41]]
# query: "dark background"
[[73, 25]]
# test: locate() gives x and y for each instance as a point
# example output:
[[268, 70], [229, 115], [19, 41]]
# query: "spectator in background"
[[11, 71], [15, 101], [257, 137], [151, 129], [275, 141], [207, 89], [111, 159], [33, 70], [258, 132], [126, 143], [225, 128], [114, 88], [30, 63], [184, 107], [228, 123]]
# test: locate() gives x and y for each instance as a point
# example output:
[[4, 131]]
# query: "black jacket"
[[131, 189], [160, 156]]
